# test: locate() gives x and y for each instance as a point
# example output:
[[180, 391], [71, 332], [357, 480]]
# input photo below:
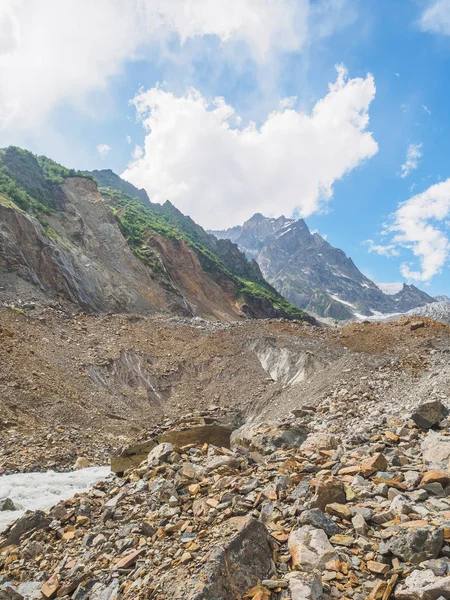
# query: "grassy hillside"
[[33, 184]]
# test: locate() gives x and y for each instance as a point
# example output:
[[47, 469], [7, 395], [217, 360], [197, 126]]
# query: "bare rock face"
[[243, 559], [429, 414]]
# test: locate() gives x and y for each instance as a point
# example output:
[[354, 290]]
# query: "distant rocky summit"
[[312, 274]]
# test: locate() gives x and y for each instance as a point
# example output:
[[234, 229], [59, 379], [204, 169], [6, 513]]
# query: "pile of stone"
[[280, 514]]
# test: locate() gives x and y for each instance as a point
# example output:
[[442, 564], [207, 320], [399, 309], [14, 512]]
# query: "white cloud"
[[413, 156], [220, 173], [387, 250], [53, 52], [426, 109], [420, 225], [436, 17], [103, 150], [128, 139]]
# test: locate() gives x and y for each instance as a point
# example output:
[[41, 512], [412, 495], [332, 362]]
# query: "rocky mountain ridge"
[[64, 239], [314, 275]]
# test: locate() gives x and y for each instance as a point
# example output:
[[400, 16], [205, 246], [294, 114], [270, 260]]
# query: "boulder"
[[417, 545], [7, 504], [30, 520], [375, 463], [310, 548], [242, 559], [429, 414], [215, 434], [160, 453], [317, 441], [131, 455], [436, 448], [328, 489], [300, 588], [9, 592], [423, 585], [319, 520], [268, 437], [81, 463]]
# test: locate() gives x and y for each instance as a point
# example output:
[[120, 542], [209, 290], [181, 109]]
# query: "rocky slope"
[[314, 275], [290, 508], [62, 239]]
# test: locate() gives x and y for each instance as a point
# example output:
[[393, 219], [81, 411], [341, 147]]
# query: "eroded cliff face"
[[82, 256]]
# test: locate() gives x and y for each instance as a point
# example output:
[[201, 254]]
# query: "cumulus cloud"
[[198, 155], [413, 156], [420, 225], [436, 17], [387, 250], [103, 150], [53, 52]]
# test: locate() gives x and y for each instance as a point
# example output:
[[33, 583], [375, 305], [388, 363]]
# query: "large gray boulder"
[[429, 414], [417, 545], [423, 585]]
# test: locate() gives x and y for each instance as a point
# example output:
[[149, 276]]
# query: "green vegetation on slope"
[[136, 220], [32, 182]]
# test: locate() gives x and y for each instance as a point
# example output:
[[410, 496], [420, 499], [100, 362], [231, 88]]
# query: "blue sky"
[[143, 84]]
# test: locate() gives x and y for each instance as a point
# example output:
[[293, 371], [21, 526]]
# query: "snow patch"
[[39, 491], [342, 301], [390, 288]]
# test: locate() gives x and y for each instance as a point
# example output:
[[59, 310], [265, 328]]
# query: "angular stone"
[[310, 548], [375, 463], [243, 558], [128, 560], [423, 585], [360, 525], [30, 520], [417, 545], [329, 489], [160, 453], [9, 592], [339, 510], [377, 567], [436, 448], [435, 477], [301, 589], [342, 540], [429, 414], [50, 587], [319, 520]]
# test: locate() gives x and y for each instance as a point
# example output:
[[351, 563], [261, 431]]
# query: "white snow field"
[[33, 491]]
